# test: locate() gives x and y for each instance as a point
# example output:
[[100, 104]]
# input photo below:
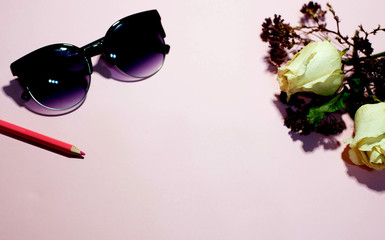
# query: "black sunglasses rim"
[[95, 48], [28, 94]]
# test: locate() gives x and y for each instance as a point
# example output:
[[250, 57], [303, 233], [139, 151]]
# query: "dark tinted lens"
[[58, 76], [140, 57], [59, 92], [135, 44]]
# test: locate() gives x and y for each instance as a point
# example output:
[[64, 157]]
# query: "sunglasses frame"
[[148, 20]]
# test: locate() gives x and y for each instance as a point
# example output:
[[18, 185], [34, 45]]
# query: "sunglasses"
[[58, 76]]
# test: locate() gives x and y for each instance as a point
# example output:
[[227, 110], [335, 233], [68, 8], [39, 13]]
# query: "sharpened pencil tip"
[[82, 153]]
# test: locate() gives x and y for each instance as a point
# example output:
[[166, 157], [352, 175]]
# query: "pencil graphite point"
[[82, 153]]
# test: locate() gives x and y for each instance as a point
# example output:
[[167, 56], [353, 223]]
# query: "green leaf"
[[316, 114], [356, 85], [344, 51]]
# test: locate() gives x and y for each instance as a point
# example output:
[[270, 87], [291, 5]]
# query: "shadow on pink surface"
[[373, 179], [15, 91], [315, 140], [271, 68]]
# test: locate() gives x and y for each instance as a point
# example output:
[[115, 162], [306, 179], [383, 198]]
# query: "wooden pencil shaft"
[[36, 137]]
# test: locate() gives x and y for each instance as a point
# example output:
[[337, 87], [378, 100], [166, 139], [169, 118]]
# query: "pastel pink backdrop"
[[198, 151]]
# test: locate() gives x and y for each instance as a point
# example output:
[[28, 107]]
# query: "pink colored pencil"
[[39, 138]]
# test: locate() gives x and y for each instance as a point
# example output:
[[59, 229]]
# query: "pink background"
[[198, 151]]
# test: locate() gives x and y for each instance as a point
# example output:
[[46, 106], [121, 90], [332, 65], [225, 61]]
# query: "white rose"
[[316, 68], [368, 144]]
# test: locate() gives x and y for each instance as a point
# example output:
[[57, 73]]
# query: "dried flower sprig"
[[364, 71]]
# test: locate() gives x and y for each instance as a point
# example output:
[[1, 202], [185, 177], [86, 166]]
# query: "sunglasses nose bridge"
[[94, 48]]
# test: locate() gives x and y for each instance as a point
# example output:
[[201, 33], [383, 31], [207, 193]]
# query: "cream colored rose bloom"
[[368, 144], [316, 68]]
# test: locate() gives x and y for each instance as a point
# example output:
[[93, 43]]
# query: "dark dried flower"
[[280, 37], [330, 125], [356, 100], [297, 122], [363, 45], [314, 11], [277, 54], [294, 101], [277, 32], [373, 70]]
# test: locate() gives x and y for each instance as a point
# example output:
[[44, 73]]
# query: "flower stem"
[[381, 54], [351, 60]]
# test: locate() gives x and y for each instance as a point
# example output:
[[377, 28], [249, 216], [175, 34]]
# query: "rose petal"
[[368, 144], [316, 68]]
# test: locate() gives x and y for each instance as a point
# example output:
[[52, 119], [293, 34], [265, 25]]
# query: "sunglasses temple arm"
[[94, 48]]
